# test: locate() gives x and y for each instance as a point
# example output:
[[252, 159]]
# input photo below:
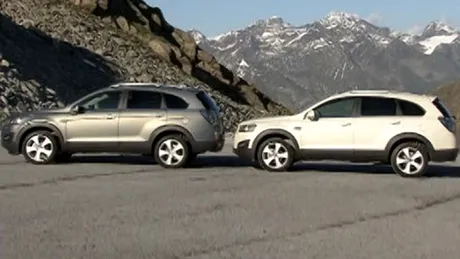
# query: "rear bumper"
[[211, 146], [444, 155], [243, 151]]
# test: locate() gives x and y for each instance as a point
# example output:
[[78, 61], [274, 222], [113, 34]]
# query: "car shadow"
[[200, 162], [222, 161], [436, 170]]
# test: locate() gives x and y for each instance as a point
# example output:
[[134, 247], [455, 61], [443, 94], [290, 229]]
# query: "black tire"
[[52, 146], [185, 152], [286, 162], [421, 159]]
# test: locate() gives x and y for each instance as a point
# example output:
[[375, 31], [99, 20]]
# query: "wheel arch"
[[40, 126], [407, 137], [171, 129], [273, 133]]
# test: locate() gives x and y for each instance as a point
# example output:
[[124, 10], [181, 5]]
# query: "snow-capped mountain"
[[298, 65]]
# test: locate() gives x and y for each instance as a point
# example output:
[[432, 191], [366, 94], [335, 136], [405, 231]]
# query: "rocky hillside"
[[54, 51], [299, 65]]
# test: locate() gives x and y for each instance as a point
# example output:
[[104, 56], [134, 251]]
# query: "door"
[[143, 113], [331, 135], [382, 118], [95, 127]]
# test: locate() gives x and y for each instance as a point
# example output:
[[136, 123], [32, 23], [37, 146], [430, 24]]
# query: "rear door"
[[143, 112], [378, 122]]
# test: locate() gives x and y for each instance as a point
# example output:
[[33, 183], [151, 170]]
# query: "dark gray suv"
[[172, 123]]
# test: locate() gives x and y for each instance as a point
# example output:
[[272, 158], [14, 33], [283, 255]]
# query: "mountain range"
[[298, 65]]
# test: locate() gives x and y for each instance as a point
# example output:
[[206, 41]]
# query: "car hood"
[[38, 113], [271, 119]]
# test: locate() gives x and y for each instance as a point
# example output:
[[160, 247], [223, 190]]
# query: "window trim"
[[126, 95], [398, 107], [360, 101], [354, 112], [92, 95], [399, 110], [176, 96]]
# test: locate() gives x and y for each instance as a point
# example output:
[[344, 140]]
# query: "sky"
[[213, 17]]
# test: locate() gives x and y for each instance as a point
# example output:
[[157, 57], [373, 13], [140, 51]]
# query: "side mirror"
[[312, 115], [77, 110]]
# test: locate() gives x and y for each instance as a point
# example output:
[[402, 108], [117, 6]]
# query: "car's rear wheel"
[[172, 151], [410, 159], [40, 147], [275, 155]]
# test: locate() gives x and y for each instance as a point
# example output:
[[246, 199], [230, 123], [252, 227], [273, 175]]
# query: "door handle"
[[158, 116], [109, 117], [396, 123], [346, 124]]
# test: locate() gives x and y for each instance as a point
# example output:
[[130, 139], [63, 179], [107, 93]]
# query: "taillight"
[[209, 116], [448, 123]]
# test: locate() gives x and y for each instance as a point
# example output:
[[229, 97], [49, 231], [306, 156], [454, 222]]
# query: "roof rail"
[[152, 84], [369, 92]]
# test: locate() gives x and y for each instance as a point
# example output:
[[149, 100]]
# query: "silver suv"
[[170, 122]]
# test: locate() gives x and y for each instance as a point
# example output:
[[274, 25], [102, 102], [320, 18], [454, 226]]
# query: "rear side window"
[[144, 100], [175, 102], [410, 109], [442, 108], [378, 106], [207, 101]]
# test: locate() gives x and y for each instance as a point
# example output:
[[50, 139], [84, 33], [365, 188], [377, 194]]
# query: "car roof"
[[387, 93]]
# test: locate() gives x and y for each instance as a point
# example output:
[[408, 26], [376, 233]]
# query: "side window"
[[174, 102], [378, 106], [337, 108], [143, 100], [102, 101], [410, 109]]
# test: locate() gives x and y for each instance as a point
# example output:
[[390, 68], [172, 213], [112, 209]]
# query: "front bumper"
[[444, 155], [243, 151], [8, 140]]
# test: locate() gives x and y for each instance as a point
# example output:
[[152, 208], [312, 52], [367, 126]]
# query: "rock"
[[4, 63], [71, 53]]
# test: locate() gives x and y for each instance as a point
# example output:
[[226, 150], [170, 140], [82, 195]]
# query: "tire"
[[40, 147], [168, 160], [416, 165], [284, 163]]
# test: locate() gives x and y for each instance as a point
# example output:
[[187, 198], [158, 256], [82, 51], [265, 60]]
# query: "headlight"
[[247, 128], [15, 121]]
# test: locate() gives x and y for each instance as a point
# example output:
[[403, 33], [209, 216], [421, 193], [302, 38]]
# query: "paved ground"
[[127, 207]]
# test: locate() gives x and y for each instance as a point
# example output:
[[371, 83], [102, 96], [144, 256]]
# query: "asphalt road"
[[128, 207]]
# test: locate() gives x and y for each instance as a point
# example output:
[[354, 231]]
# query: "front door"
[[95, 128], [331, 136]]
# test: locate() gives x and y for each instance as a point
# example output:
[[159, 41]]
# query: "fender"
[[171, 127], [408, 135], [31, 125], [275, 132]]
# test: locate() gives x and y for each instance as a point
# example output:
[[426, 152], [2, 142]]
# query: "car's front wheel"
[[275, 155], [40, 147], [410, 159], [172, 151]]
